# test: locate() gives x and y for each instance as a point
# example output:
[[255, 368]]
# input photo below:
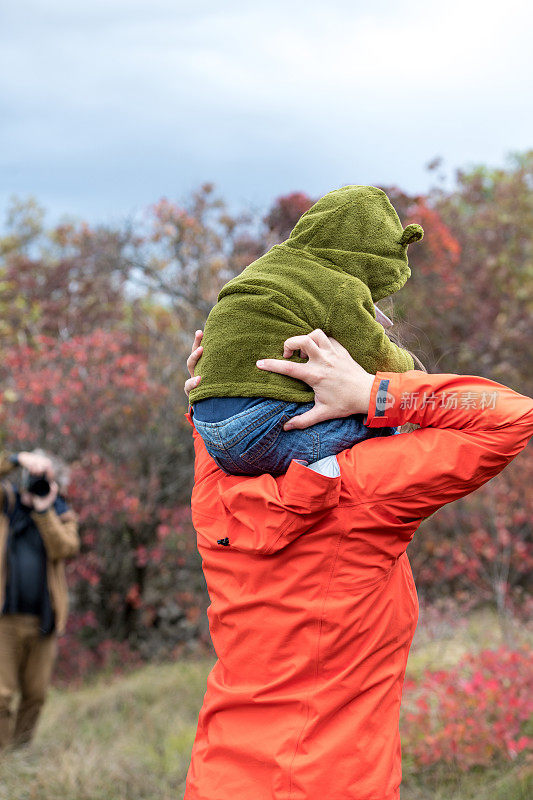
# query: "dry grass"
[[125, 738], [129, 738]]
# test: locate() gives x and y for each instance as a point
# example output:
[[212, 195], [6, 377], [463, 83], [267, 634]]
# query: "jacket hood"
[[357, 229]]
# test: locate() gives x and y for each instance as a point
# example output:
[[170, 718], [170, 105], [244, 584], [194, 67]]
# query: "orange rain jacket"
[[313, 603]]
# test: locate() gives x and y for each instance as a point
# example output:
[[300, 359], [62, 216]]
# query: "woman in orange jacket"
[[313, 604]]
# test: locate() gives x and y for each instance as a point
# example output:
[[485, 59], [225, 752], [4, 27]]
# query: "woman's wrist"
[[355, 390], [364, 387]]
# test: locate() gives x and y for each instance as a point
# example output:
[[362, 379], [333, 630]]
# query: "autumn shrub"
[[94, 400], [481, 547], [77, 661], [476, 714]]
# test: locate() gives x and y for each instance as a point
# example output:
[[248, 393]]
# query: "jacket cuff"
[[383, 408]]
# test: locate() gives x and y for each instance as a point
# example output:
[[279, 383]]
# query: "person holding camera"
[[38, 532]]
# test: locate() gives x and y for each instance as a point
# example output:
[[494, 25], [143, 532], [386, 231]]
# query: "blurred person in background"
[[38, 531]]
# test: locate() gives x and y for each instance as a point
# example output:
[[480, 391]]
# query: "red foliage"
[[482, 545], [439, 256], [473, 714], [285, 213], [77, 660], [92, 400], [79, 394]]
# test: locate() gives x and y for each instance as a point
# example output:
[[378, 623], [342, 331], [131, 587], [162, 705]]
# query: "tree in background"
[[96, 325], [91, 399], [490, 212], [183, 254], [61, 283]]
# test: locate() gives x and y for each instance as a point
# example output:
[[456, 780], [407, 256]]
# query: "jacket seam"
[[351, 505], [317, 510], [449, 485], [381, 578], [281, 533], [294, 522], [317, 660]]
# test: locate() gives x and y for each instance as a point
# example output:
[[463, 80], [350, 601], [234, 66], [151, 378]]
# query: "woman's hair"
[[396, 333], [396, 337]]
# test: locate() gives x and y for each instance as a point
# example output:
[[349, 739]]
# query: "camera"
[[35, 484]]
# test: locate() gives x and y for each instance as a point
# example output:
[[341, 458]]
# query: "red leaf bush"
[[475, 714], [481, 546], [96, 400]]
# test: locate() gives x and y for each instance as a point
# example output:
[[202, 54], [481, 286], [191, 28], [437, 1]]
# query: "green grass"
[[130, 737]]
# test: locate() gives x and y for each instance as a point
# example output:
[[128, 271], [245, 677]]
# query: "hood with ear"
[[358, 231]]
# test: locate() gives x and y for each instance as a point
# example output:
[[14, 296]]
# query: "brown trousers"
[[26, 664]]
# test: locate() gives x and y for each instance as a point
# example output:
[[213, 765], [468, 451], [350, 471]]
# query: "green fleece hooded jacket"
[[346, 252]]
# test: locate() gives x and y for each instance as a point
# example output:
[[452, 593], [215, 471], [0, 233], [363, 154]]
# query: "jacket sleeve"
[[470, 429], [351, 320], [6, 465], [59, 533]]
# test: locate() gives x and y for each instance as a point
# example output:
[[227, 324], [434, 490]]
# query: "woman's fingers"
[[320, 337], [290, 368], [308, 343], [191, 383], [196, 353], [341, 385], [194, 359], [301, 421], [313, 345], [197, 339]]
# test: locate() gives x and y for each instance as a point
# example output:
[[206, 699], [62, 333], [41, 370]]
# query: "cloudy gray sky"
[[108, 105]]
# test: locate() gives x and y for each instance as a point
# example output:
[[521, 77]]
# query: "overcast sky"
[[108, 105]]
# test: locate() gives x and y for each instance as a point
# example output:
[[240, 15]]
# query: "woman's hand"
[[196, 352], [342, 387]]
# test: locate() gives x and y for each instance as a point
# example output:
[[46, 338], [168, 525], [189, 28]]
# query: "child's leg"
[[254, 441], [274, 453], [227, 438]]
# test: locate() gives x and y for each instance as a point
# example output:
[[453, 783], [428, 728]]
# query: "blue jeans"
[[253, 441]]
